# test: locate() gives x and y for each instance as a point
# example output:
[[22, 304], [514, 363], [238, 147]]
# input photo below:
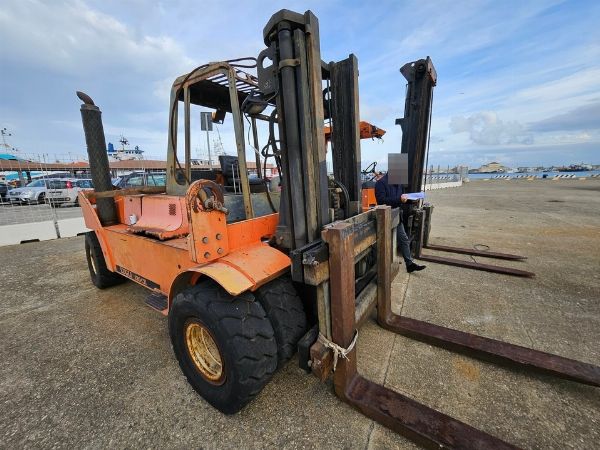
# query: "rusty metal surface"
[[123, 192], [476, 266], [494, 350], [470, 251], [471, 344], [418, 422], [415, 421], [321, 361]]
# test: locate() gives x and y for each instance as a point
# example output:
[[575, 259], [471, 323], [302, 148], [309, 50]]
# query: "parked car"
[[65, 190], [137, 179], [4, 188], [34, 192]]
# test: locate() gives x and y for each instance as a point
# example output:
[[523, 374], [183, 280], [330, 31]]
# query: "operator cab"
[[221, 87]]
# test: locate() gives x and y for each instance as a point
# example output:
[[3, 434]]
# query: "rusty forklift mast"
[[223, 263]]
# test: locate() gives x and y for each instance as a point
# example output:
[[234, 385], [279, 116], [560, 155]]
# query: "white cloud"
[[68, 37], [486, 128]]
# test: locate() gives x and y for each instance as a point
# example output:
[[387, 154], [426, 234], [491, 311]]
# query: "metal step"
[[157, 301]]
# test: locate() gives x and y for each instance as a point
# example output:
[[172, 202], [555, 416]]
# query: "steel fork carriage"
[[404, 415]]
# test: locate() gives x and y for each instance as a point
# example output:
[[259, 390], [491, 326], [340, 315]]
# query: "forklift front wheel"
[[225, 345], [99, 273]]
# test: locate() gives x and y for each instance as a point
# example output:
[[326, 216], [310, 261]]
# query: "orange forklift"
[[247, 278]]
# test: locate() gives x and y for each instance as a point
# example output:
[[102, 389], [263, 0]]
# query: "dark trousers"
[[403, 243]]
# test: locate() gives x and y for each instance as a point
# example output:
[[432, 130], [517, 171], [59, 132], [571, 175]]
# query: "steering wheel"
[[370, 168]]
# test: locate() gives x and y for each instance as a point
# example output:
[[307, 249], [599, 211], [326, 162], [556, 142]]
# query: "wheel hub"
[[204, 352]]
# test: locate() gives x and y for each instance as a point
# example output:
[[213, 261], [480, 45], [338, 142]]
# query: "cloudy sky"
[[518, 81]]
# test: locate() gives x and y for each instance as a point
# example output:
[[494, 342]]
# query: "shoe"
[[412, 267]]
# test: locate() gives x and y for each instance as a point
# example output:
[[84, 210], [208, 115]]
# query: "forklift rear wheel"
[[285, 311], [225, 345], [101, 276]]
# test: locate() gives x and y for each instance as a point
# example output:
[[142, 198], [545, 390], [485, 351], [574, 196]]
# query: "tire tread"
[[103, 277], [249, 338], [284, 309]]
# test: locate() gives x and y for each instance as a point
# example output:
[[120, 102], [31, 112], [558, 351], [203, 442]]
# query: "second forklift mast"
[[421, 78]]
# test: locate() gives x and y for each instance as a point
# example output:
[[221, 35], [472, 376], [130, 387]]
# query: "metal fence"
[[441, 178], [32, 215]]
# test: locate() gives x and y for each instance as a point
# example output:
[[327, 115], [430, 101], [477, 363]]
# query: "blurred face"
[[398, 168]]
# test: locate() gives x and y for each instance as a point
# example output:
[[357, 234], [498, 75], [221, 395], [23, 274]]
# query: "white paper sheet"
[[415, 196]]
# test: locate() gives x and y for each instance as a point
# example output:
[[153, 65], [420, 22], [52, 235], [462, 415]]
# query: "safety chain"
[[337, 350]]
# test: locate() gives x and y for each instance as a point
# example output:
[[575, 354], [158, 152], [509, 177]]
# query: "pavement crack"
[[532, 344], [389, 358], [371, 428], [403, 296], [385, 377]]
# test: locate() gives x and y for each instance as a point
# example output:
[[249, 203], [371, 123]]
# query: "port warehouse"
[[117, 168]]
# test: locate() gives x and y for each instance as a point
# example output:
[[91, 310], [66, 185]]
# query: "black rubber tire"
[[243, 334], [285, 311], [99, 273], [41, 199]]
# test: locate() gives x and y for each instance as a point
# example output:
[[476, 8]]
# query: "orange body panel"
[[236, 255], [210, 240], [366, 131], [368, 199], [247, 268], [156, 262], [252, 230]]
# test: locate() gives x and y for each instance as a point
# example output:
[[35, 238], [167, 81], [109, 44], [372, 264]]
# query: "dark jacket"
[[388, 194]]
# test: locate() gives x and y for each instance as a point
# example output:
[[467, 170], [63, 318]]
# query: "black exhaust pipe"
[[91, 116]]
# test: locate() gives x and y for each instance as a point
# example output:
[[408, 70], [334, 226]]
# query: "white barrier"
[[27, 232], [448, 184], [72, 227], [566, 176], [40, 231]]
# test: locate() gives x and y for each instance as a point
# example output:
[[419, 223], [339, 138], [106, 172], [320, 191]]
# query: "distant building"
[[493, 167], [460, 170]]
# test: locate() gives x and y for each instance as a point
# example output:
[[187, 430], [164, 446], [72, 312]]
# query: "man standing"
[[393, 195]]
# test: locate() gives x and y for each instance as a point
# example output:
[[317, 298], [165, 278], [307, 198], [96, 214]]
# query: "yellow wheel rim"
[[204, 352]]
